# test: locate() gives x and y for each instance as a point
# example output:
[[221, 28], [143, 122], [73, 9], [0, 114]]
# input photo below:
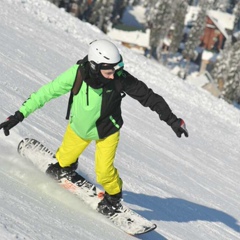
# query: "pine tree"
[[196, 32], [231, 91], [101, 14], [221, 66], [118, 10], [159, 16], [221, 5], [194, 36], [84, 10], [236, 12], [178, 21]]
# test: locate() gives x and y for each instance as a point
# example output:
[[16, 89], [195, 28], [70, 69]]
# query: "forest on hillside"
[[160, 17]]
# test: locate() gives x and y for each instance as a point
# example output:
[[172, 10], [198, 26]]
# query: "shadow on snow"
[[177, 210]]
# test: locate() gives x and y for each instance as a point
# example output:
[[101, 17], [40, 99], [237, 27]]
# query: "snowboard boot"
[[57, 172], [110, 204]]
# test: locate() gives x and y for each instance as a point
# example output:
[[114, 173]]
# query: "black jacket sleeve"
[[140, 91]]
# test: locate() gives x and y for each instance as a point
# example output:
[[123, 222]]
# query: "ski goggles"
[[117, 67]]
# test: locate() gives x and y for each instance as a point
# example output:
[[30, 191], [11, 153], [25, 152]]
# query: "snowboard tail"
[[127, 219]]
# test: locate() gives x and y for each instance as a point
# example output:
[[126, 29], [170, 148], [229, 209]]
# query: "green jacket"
[[96, 111]]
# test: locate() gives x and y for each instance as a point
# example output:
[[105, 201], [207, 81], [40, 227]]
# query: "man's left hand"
[[179, 127]]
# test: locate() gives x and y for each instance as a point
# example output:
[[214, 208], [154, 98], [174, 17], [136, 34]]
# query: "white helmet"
[[103, 54], [103, 51]]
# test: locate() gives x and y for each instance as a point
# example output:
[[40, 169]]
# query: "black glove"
[[177, 125], [11, 121]]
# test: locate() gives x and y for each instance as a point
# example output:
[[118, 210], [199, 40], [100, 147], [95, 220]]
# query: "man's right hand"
[[11, 121]]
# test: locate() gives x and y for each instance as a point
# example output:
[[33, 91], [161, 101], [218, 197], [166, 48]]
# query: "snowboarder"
[[98, 83]]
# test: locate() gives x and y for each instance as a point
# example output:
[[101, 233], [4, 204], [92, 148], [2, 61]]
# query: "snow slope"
[[189, 187]]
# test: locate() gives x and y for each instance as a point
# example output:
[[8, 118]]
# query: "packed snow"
[[189, 187]]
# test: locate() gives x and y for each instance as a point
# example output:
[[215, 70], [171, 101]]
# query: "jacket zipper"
[[87, 95]]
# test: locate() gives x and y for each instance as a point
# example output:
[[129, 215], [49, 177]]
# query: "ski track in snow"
[[189, 187]]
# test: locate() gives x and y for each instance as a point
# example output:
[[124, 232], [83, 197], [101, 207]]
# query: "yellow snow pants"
[[107, 175]]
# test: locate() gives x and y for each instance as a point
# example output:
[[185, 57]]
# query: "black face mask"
[[100, 81], [93, 74], [93, 79]]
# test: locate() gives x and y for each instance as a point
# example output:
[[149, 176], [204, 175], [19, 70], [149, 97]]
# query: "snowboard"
[[126, 219]]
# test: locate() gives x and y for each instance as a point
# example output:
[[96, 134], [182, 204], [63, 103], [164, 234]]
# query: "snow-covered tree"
[[178, 21], [231, 89], [193, 40], [118, 10], [221, 66], [159, 15], [59, 3], [84, 8], [134, 2], [221, 5], [101, 14], [236, 13]]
